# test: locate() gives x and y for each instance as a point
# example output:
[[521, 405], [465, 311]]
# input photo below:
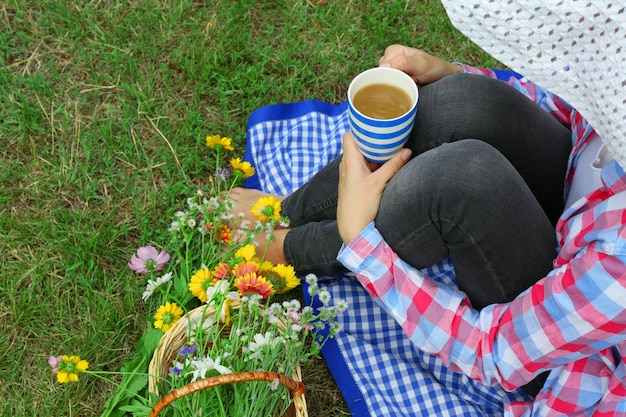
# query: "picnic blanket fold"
[[286, 142]]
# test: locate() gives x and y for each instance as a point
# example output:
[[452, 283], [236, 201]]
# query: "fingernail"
[[384, 65]]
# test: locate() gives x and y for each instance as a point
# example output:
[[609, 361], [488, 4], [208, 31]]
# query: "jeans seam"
[[286, 250], [417, 231], [482, 256], [471, 240]]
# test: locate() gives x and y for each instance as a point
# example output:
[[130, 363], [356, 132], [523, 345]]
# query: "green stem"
[[172, 297], [216, 170], [269, 240], [121, 387]]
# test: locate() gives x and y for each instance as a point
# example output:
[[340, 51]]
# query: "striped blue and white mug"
[[382, 103]]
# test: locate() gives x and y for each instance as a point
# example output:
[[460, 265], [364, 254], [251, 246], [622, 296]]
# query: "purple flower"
[[54, 363], [175, 371], [222, 174], [186, 350], [148, 259]]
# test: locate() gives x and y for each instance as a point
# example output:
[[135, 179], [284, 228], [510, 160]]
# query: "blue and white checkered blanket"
[[378, 370]]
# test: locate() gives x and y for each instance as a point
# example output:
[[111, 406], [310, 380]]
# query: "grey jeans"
[[447, 190]]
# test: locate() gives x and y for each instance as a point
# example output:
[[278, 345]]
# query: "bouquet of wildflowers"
[[219, 309]]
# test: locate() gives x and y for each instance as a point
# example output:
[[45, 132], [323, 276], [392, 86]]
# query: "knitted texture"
[[576, 48]]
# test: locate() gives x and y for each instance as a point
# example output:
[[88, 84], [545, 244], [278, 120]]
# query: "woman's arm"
[[421, 66], [426, 68], [573, 313]]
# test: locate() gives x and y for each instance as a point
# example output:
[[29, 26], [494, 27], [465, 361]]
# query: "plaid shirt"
[[572, 322]]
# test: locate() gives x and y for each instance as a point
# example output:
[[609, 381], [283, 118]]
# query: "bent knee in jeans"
[[465, 200]]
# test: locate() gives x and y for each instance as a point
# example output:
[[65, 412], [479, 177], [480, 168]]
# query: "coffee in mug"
[[382, 104], [382, 101]]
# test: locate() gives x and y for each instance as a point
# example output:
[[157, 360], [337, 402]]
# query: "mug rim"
[[405, 79]]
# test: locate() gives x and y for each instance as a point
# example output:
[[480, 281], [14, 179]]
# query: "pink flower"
[[148, 259], [54, 363]]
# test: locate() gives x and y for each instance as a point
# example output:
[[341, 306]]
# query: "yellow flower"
[[216, 141], [267, 208], [252, 283], [247, 252], [199, 283], [245, 168], [69, 367], [288, 275], [283, 278], [265, 266], [167, 315]]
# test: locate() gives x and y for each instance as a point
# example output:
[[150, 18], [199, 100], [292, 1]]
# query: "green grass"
[[105, 106]]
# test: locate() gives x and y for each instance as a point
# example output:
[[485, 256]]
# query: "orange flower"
[[252, 283], [224, 235], [245, 268], [222, 271]]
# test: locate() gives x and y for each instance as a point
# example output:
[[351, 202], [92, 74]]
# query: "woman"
[[572, 321]]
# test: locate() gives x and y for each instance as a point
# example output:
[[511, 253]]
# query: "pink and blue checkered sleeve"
[[574, 312]]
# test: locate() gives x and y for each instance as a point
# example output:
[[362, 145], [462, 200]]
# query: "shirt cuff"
[[353, 254]]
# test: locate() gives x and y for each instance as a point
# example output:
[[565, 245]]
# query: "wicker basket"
[[176, 337]]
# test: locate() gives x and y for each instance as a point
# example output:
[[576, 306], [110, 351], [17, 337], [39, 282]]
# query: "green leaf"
[[135, 377], [138, 410], [180, 285]]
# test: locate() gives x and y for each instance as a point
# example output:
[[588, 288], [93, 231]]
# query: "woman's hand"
[[421, 66], [361, 185]]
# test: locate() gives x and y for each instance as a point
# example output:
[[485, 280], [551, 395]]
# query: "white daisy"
[[152, 285], [201, 366]]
